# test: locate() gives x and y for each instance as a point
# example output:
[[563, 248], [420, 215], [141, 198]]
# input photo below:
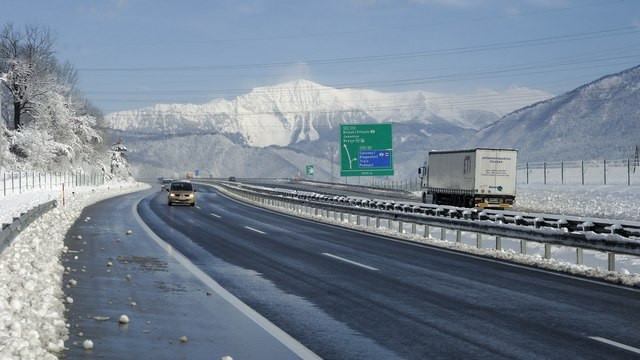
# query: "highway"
[[350, 295]]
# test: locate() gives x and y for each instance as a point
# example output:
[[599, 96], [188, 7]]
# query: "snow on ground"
[[32, 319], [601, 201], [32, 322]]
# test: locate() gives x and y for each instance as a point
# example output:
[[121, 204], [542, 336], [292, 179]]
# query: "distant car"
[[182, 192], [165, 183], [232, 178]]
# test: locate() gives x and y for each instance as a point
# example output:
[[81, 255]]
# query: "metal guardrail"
[[612, 237], [10, 231], [365, 189]]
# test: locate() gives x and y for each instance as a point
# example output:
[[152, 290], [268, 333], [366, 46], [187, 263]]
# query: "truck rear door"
[[496, 171]]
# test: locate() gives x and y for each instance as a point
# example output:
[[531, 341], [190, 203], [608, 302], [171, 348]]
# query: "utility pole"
[[332, 164]]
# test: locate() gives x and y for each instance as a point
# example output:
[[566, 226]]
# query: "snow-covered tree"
[[119, 167], [28, 67], [48, 124]]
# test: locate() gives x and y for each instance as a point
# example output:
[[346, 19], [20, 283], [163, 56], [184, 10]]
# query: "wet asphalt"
[[172, 314], [408, 300]]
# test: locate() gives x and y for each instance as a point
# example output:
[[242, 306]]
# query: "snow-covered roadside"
[[601, 201], [626, 278], [32, 318]]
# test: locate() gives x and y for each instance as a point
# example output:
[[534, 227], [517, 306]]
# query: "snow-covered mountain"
[[595, 121], [302, 110], [275, 131]]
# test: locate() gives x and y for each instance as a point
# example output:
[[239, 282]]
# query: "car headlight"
[[172, 194]]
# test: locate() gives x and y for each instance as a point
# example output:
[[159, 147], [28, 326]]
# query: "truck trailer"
[[480, 177]]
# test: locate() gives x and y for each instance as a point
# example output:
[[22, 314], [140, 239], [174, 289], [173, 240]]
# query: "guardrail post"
[[341, 217], [400, 225], [426, 231], [523, 247], [582, 167], [458, 236], [413, 228], [377, 223], [547, 251], [562, 172], [527, 172], [612, 262], [368, 221], [498, 243], [629, 172], [443, 234], [349, 218], [579, 256], [604, 171], [544, 172], [358, 219], [479, 241]]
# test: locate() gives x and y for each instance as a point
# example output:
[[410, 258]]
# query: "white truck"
[[480, 177]]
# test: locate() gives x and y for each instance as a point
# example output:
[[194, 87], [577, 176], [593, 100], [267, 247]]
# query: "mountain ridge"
[[302, 110]]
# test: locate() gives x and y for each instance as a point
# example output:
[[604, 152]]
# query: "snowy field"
[[32, 318], [603, 201]]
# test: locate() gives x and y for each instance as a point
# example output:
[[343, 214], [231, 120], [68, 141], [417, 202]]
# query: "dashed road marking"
[[216, 215], [256, 230], [616, 344], [350, 261]]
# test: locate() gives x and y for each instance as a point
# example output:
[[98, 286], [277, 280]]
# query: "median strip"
[[350, 261], [616, 344], [256, 230]]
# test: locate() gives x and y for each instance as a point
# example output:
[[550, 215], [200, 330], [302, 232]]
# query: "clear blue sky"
[[134, 53]]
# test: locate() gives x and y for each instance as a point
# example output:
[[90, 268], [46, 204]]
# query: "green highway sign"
[[366, 150], [309, 170]]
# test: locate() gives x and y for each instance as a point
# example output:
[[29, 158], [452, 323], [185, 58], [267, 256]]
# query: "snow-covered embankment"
[[32, 318]]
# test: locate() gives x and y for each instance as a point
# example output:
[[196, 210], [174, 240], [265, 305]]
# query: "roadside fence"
[[581, 172], [21, 181]]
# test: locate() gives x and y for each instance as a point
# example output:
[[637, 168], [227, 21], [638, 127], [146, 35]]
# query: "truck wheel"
[[470, 202]]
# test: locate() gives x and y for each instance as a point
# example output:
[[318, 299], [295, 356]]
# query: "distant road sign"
[[309, 170], [197, 172], [366, 150]]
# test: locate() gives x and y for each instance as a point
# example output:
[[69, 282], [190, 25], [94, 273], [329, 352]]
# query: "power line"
[[509, 72], [392, 56]]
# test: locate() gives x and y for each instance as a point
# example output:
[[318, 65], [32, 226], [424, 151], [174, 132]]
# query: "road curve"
[[347, 295]]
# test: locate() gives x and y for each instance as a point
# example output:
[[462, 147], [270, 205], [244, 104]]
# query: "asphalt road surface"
[[351, 295]]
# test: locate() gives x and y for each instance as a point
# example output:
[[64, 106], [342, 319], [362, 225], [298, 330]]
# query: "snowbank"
[[32, 319]]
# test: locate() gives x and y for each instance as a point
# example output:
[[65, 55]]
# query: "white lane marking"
[[616, 344], [437, 248], [284, 338], [350, 261], [256, 230], [215, 215], [198, 207]]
